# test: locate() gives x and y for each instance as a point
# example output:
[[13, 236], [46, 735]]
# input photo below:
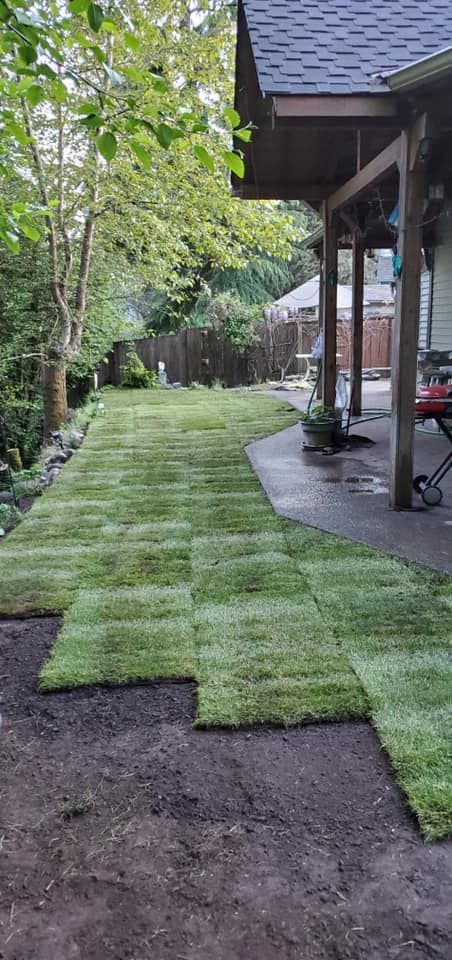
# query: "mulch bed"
[[126, 834]]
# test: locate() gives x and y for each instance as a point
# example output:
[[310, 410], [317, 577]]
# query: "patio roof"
[[352, 111], [315, 79], [335, 46]]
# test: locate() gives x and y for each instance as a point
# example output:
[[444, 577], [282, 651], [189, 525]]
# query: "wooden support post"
[[356, 346], [329, 280], [406, 323]]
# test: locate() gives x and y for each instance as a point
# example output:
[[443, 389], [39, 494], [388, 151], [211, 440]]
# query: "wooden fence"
[[203, 356]]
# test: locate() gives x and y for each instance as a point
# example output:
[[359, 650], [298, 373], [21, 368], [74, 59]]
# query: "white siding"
[[441, 325], [424, 310]]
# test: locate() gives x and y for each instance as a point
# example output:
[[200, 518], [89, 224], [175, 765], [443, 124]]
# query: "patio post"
[[329, 304], [319, 393], [356, 351], [406, 322]]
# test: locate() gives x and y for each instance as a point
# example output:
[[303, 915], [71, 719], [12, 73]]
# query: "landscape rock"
[[76, 438], [56, 458], [52, 474]]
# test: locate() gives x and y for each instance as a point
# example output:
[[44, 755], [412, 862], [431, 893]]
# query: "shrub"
[[9, 516], [135, 374], [234, 319], [20, 425]]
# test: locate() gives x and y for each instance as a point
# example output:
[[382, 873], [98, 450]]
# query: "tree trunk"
[[55, 395]]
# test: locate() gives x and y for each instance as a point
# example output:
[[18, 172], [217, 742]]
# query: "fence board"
[[204, 356]]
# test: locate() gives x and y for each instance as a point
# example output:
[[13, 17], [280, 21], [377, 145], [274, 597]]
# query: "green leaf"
[[30, 231], [79, 6], [27, 53], [235, 163], [15, 130], [232, 117], [141, 153], [16, 89], [59, 91], [97, 53], [131, 41], [18, 208], [137, 76], [11, 240], [166, 134], [5, 14], [92, 120], [205, 158], [200, 127], [45, 71], [95, 17], [87, 108], [244, 134], [107, 145], [132, 125], [159, 83], [35, 94]]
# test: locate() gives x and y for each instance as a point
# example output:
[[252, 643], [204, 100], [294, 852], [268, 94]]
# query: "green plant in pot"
[[318, 426]]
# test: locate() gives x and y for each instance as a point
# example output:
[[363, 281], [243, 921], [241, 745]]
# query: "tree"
[[67, 145]]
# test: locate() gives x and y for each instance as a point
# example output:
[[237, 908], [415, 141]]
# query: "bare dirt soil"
[[126, 834]]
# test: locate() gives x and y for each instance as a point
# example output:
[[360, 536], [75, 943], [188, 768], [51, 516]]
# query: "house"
[[353, 113]]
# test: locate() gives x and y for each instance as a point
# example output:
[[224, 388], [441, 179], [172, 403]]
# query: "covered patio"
[[347, 494], [354, 116]]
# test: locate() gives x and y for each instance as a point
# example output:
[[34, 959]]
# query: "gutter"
[[428, 69], [313, 239]]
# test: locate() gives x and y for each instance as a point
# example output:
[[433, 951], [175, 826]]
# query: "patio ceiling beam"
[[311, 192], [376, 106], [368, 177]]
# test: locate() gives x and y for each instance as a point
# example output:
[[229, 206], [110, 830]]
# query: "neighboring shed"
[[307, 297], [378, 299], [352, 105]]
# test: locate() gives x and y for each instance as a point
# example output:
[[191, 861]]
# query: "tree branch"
[[61, 201], [55, 284]]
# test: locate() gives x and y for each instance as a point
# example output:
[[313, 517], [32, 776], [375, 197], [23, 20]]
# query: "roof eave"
[[428, 69]]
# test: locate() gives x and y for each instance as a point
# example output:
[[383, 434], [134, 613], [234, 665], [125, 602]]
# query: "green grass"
[[160, 547]]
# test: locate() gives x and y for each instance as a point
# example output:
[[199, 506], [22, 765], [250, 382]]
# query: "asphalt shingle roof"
[[334, 46]]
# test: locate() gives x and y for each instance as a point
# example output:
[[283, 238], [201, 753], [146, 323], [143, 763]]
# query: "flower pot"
[[317, 434]]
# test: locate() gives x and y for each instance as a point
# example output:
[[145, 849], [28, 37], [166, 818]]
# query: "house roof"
[[337, 46], [306, 297]]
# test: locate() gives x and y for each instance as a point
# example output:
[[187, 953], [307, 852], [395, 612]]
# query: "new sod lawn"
[[162, 550]]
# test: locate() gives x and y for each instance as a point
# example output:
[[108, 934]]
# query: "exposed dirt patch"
[[126, 834]]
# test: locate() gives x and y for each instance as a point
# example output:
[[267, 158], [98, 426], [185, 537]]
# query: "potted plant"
[[318, 427]]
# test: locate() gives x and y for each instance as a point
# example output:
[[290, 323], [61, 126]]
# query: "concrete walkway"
[[347, 493]]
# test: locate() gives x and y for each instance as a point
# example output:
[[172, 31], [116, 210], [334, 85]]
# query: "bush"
[[135, 374], [20, 426], [9, 516], [234, 319]]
